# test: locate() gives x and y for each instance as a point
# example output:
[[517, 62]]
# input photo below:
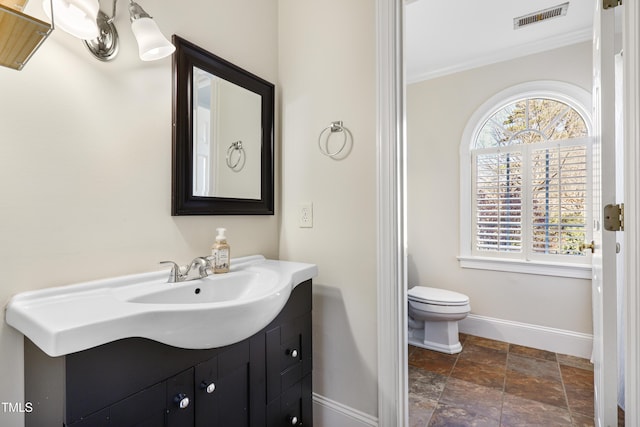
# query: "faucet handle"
[[203, 265], [174, 275]]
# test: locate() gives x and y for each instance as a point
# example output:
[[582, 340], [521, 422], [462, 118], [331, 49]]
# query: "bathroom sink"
[[210, 312], [237, 287]]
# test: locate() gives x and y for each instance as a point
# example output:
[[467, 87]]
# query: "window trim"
[[577, 271], [574, 96]]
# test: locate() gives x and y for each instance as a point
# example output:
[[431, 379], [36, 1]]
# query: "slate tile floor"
[[494, 383]]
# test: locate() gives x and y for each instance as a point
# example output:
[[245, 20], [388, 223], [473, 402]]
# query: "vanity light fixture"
[[152, 44]]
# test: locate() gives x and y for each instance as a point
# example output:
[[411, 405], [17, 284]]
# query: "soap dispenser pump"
[[221, 252]]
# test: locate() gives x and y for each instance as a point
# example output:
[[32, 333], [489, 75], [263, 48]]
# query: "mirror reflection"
[[227, 138]]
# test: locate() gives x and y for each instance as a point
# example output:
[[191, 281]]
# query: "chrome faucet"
[[182, 273], [203, 265]]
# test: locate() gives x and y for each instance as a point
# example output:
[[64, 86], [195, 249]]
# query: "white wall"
[[437, 112], [85, 160], [327, 73]]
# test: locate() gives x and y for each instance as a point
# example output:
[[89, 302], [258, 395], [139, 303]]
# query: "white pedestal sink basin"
[[211, 312]]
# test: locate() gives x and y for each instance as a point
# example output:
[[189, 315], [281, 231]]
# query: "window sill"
[[577, 271]]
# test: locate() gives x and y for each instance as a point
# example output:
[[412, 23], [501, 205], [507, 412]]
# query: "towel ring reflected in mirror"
[[236, 164]]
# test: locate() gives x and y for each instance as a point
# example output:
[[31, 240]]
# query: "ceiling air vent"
[[541, 15]]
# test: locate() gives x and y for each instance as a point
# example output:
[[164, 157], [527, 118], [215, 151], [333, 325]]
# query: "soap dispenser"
[[221, 252]]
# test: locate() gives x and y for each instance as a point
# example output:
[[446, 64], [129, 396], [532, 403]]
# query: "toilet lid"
[[437, 296]]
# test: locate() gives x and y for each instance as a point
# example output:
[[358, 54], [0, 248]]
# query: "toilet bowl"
[[433, 318]]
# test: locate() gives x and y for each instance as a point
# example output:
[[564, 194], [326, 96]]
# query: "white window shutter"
[[498, 202]]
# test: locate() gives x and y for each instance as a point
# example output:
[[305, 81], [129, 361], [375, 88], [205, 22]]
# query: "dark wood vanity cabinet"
[[263, 381]]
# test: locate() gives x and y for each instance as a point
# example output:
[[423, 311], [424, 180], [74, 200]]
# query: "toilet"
[[433, 318]]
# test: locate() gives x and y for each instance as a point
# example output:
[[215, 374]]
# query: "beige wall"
[[437, 112], [327, 73], [85, 160]]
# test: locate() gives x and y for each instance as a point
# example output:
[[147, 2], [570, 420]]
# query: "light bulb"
[[152, 44], [76, 17]]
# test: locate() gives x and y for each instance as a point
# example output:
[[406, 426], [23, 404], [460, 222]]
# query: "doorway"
[[389, 31]]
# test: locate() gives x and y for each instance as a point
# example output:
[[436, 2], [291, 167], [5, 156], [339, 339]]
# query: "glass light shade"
[[76, 17], [152, 44]]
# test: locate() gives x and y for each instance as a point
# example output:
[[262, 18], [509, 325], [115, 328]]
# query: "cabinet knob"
[[292, 352], [293, 421], [209, 388], [181, 400]]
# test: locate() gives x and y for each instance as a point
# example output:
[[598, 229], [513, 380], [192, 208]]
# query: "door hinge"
[[608, 4], [614, 217]]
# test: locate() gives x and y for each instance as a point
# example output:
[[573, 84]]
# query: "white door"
[[604, 192]]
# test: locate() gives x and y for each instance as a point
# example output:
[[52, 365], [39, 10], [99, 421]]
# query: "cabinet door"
[[288, 355], [143, 409], [292, 407], [99, 419], [222, 389], [180, 400], [146, 407]]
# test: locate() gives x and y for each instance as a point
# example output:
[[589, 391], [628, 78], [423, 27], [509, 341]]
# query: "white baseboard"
[[329, 413], [541, 337]]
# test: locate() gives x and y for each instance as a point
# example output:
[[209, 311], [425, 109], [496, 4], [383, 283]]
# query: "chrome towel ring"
[[236, 164], [323, 141]]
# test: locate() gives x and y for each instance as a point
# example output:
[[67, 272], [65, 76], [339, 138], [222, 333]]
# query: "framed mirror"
[[222, 136]]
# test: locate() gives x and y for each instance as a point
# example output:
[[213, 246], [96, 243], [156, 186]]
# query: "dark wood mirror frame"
[[183, 202]]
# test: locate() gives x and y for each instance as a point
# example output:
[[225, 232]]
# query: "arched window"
[[526, 171]]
